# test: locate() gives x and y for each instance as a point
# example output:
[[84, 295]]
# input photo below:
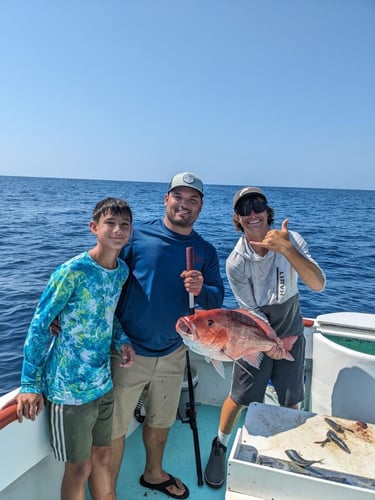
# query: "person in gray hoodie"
[[263, 271]]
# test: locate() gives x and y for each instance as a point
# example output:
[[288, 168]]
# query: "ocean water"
[[45, 222]]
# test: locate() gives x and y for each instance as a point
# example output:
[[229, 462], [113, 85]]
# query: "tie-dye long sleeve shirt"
[[74, 367]]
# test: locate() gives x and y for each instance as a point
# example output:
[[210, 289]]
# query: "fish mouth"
[[184, 328]]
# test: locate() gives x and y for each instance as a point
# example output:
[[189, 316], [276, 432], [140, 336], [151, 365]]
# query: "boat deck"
[[32, 469], [179, 458]]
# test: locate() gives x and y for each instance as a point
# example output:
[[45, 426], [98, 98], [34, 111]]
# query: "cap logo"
[[188, 178]]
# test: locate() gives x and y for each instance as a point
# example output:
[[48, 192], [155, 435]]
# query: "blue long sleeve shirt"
[[154, 296], [74, 367]]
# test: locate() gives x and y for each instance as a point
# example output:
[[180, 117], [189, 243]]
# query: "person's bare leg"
[[118, 448], [231, 412], [100, 480], [229, 416], [155, 440], [74, 480]]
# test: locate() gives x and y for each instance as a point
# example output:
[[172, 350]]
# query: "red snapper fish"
[[230, 334]]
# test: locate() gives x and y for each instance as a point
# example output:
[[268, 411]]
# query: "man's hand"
[[276, 240], [277, 352], [193, 281], [29, 405], [55, 327], [128, 356]]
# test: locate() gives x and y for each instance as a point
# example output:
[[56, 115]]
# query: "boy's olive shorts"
[[74, 429]]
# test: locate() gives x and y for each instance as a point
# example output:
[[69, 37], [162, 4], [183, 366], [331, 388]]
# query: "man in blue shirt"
[[155, 296]]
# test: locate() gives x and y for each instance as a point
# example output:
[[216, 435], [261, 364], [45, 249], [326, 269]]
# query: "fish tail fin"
[[288, 356]]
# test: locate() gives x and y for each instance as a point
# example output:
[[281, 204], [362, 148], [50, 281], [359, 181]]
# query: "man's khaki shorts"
[[158, 380]]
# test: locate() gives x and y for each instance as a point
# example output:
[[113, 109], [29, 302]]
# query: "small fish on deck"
[[302, 462], [232, 334], [331, 436], [336, 426]]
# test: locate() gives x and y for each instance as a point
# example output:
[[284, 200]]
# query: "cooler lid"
[[344, 321]]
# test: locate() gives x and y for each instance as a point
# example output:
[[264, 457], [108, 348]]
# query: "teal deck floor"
[[179, 458]]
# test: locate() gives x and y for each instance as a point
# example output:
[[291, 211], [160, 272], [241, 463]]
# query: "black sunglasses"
[[244, 207]]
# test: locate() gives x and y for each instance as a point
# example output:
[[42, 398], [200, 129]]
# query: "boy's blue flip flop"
[[164, 485]]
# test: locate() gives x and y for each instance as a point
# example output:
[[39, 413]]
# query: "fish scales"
[[230, 335]]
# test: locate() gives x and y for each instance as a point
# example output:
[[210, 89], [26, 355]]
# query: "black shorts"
[[249, 383]]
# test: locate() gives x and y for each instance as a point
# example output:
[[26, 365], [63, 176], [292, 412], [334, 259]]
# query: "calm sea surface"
[[45, 222]]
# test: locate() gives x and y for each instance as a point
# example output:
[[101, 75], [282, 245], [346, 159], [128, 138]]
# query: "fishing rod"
[[190, 406]]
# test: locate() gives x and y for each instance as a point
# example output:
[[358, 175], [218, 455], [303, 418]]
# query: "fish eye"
[[211, 322]]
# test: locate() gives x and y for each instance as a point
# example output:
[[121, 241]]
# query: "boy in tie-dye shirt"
[[70, 373]]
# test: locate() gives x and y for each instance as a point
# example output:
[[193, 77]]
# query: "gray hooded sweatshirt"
[[267, 286]]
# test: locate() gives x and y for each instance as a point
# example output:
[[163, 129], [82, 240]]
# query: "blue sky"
[[263, 92]]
